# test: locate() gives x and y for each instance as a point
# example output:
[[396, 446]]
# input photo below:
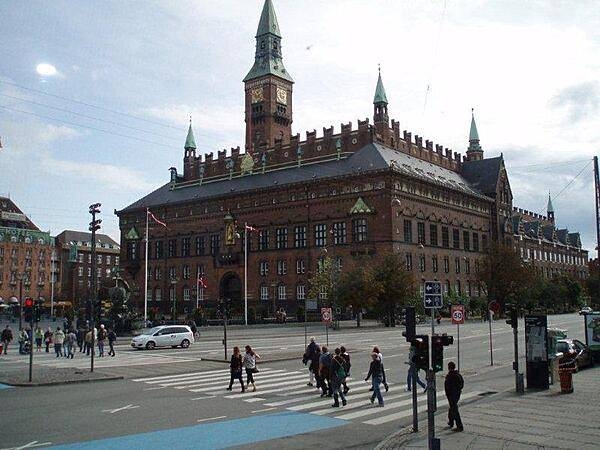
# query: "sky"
[[95, 97]]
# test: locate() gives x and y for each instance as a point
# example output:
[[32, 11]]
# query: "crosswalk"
[[288, 390]]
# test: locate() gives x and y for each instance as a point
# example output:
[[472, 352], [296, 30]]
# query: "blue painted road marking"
[[5, 386], [216, 435]]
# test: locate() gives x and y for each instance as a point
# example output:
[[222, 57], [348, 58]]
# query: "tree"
[[358, 289], [504, 276], [396, 286]]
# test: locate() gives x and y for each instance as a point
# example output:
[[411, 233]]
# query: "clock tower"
[[268, 87]]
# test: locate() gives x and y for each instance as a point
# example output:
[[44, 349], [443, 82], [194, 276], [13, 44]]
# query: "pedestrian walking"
[[39, 337], [70, 340], [413, 370], [383, 379], [347, 366], [48, 336], [325, 372], [235, 366], [101, 340], [376, 378], [112, 338], [453, 385], [23, 338], [59, 339], [80, 339], [250, 358], [7, 337], [312, 349], [88, 341], [338, 376]]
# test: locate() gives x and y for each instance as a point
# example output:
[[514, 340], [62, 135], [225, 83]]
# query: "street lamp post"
[[173, 281], [274, 285], [94, 226], [20, 277]]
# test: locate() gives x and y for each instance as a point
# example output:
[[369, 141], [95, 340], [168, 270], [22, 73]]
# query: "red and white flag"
[[201, 282], [153, 217], [251, 229]]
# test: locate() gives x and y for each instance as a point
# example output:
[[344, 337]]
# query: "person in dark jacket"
[[112, 338], [235, 367], [7, 337], [308, 356], [80, 339], [376, 378], [325, 372], [347, 366], [453, 386], [338, 376]]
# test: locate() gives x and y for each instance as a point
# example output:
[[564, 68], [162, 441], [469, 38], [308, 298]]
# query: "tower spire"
[[190, 142], [474, 152], [550, 209], [380, 96], [268, 59], [381, 119]]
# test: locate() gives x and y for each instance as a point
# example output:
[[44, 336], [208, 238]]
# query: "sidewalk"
[[536, 420]]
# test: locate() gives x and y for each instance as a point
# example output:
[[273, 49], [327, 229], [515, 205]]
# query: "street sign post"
[[432, 294], [457, 312], [326, 319]]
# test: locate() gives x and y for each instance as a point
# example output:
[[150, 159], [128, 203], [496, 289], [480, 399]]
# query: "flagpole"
[[197, 285], [146, 275], [246, 272]]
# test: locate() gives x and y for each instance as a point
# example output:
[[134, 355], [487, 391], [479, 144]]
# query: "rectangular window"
[[300, 236], [339, 233], [466, 241], [446, 264], [408, 261], [89, 258], [200, 245], [80, 257], [132, 254], [186, 272], [434, 263], [421, 233], [215, 244], [89, 272], [149, 294], [457, 264], [300, 266], [186, 294], [263, 240], [281, 294], [455, 238], [264, 292], [185, 247], [158, 295], [422, 263], [281, 235], [80, 271], [484, 242], [445, 238], [158, 249], [323, 293], [108, 259], [467, 266], [172, 248], [408, 231], [281, 267], [475, 242], [433, 235], [172, 274], [320, 235], [264, 268], [300, 292], [359, 230], [99, 259]]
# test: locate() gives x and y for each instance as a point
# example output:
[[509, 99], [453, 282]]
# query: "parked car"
[[585, 310], [164, 336], [576, 351]]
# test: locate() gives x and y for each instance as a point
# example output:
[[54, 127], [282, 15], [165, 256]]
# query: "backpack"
[[340, 371]]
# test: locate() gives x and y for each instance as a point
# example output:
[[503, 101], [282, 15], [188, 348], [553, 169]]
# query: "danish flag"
[[201, 282], [153, 217], [251, 229]]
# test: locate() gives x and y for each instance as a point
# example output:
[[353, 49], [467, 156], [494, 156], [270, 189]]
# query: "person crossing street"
[[250, 358], [338, 376], [376, 378], [235, 367], [413, 370], [453, 385]]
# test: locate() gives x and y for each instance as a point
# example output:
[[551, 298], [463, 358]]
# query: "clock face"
[[257, 95], [282, 96]]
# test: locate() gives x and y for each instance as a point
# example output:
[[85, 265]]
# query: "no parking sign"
[[458, 314], [326, 315]]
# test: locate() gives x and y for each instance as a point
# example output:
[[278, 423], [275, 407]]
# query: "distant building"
[[74, 273], [25, 255], [551, 250]]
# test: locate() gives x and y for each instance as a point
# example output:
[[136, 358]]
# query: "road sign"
[[432, 294], [495, 307], [458, 314], [326, 315]]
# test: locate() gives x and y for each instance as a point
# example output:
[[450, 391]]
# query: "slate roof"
[[69, 236], [563, 236], [548, 232], [372, 157], [483, 174], [575, 239]]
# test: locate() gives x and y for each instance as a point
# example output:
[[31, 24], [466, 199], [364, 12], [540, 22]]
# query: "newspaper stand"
[[566, 367]]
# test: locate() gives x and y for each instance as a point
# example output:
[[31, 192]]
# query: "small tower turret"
[[381, 119], [189, 156], [474, 152], [550, 209]]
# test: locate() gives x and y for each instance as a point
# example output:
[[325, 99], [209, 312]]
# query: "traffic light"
[[409, 320], [438, 342], [421, 357], [511, 313], [28, 309]]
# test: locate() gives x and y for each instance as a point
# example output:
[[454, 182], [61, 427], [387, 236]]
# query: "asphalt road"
[[184, 404]]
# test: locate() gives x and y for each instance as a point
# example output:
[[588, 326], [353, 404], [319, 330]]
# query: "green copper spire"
[[268, 59], [550, 208], [190, 143], [268, 21], [380, 96], [473, 137]]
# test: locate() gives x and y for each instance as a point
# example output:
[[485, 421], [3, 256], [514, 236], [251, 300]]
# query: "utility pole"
[[20, 301], [597, 190], [94, 226]]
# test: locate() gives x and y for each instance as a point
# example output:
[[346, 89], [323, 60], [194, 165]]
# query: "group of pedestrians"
[[239, 363]]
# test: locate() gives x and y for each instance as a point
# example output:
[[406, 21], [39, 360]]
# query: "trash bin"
[[566, 368]]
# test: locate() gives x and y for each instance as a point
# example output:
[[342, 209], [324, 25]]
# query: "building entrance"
[[231, 288]]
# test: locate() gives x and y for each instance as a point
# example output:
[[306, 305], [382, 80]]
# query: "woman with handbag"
[[250, 366], [236, 368]]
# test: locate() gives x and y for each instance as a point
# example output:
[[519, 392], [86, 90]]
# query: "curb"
[[57, 383]]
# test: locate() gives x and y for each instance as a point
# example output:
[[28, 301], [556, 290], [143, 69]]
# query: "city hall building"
[[364, 190]]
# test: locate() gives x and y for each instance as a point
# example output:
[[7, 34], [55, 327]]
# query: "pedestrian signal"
[[421, 358], [409, 320]]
